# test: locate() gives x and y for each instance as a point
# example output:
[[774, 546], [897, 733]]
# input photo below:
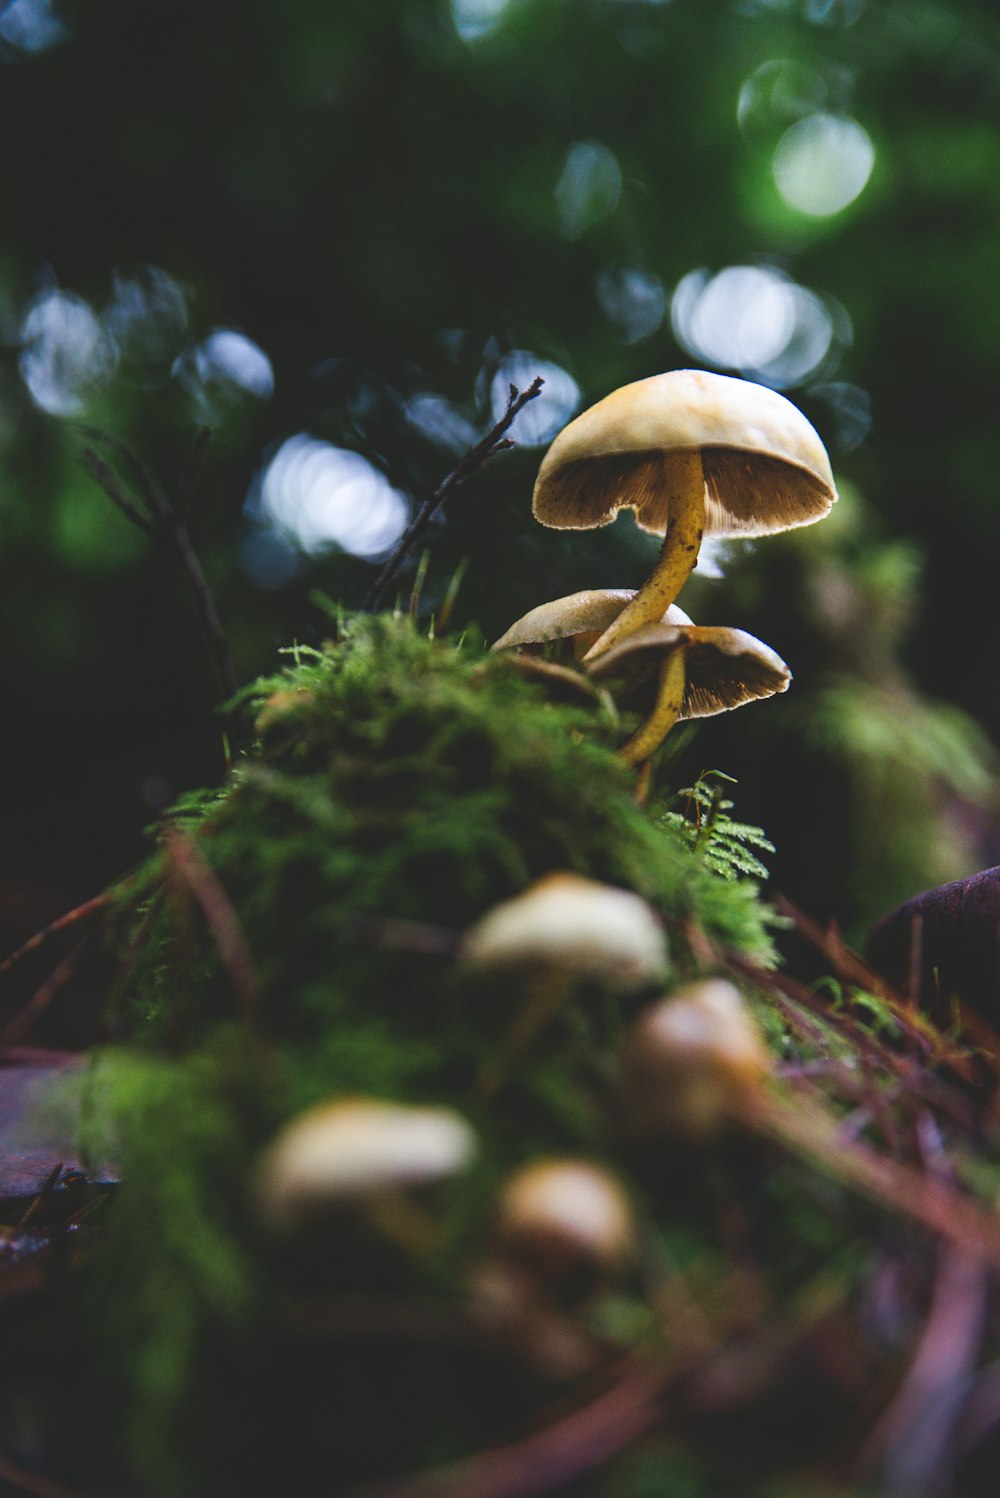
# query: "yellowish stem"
[[666, 711], [679, 552]]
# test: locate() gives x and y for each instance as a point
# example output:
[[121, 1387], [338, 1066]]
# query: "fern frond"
[[705, 824]]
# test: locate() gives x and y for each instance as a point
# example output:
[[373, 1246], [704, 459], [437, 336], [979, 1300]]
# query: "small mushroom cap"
[[725, 668], [564, 1210], [765, 467], [590, 930], [586, 613], [357, 1148], [691, 1060]]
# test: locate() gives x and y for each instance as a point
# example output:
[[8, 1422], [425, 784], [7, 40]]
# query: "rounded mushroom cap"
[[555, 1212], [589, 930], [765, 467], [691, 1060], [356, 1148], [724, 668], [587, 613]]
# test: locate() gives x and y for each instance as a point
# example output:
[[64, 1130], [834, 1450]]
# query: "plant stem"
[[495, 441], [163, 519], [208, 615]]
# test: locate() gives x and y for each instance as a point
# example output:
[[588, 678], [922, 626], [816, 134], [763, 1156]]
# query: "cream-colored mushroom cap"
[[765, 468], [590, 930], [356, 1148], [580, 614], [567, 1207], [724, 668], [691, 1061]]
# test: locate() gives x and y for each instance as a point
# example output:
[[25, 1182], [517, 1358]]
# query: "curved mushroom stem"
[[666, 711], [675, 563]]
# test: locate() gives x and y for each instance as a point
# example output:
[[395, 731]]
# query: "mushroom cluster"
[[691, 454]]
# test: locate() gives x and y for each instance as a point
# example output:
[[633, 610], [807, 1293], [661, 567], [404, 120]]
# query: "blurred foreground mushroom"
[[563, 930], [567, 1224], [692, 1062], [563, 1232], [687, 671], [688, 452], [576, 926], [357, 1150]]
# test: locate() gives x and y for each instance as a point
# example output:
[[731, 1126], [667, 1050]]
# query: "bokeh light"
[[589, 187], [822, 163], [28, 27], [441, 422], [319, 496], [632, 300], [785, 89], [66, 353], [147, 316], [542, 418], [850, 414], [757, 320], [223, 367], [475, 19]]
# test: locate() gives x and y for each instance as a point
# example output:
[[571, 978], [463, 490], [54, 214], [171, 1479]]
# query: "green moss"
[[400, 787]]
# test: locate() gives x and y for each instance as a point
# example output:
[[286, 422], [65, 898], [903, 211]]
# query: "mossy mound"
[[292, 939]]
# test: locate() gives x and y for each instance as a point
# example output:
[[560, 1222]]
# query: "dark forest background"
[[333, 231]]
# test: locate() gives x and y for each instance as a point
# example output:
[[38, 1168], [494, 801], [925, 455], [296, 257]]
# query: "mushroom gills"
[[680, 495], [720, 669]]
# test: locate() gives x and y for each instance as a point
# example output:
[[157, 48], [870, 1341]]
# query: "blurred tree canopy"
[[334, 233]]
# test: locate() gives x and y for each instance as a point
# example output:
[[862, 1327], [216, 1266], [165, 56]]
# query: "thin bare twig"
[[222, 920], [17, 1028], [105, 476], [494, 442], [927, 1200], [79, 913], [163, 519], [586, 1438], [191, 471]]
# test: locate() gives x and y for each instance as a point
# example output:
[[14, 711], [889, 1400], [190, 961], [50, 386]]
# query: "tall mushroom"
[[689, 453], [687, 671]]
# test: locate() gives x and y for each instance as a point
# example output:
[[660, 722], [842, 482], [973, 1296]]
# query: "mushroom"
[[357, 1150], [577, 926], [692, 1062], [694, 671], [563, 1230], [562, 930], [579, 619], [566, 1223], [688, 452]]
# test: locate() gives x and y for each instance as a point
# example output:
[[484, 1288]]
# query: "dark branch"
[[494, 442], [108, 481], [191, 471], [164, 520]]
